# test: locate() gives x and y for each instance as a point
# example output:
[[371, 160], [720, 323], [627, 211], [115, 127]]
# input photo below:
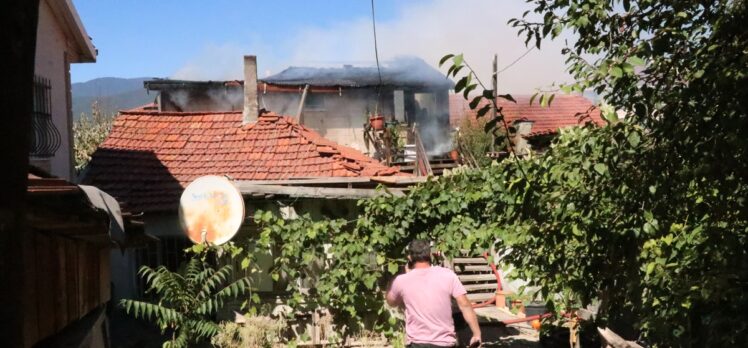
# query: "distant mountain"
[[112, 93]]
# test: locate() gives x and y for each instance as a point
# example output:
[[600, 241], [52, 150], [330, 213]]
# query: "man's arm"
[[469, 314], [393, 296]]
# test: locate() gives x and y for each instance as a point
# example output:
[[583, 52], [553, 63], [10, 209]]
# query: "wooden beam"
[[310, 181], [399, 180], [301, 105], [312, 192]]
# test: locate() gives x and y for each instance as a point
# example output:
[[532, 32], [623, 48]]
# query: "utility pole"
[[495, 85]]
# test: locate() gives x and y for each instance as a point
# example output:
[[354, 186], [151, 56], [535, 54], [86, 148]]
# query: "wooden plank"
[[480, 297], [71, 276], [92, 298], [105, 291], [473, 268], [477, 287], [479, 260], [312, 192], [45, 297], [58, 279], [399, 180], [310, 181], [31, 306], [476, 277], [82, 287], [491, 313]]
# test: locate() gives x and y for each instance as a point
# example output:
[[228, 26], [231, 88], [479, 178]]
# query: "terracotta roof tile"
[[150, 156], [565, 111]]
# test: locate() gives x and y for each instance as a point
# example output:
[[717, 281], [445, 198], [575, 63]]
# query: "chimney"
[[251, 105]]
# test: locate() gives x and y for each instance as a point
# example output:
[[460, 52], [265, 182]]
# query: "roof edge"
[[67, 14]]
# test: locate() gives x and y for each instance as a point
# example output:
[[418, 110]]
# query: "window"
[[45, 138], [314, 102]]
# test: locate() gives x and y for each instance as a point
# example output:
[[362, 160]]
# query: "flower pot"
[[377, 122], [454, 155], [500, 299], [519, 306]]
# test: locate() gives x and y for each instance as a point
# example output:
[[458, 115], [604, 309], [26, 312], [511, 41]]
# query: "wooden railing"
[[423, 167]]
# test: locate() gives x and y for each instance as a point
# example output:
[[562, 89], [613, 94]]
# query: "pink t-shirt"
[[427, 294]]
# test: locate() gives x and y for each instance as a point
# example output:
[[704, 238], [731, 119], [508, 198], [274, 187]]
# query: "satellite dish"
[[211, 210]]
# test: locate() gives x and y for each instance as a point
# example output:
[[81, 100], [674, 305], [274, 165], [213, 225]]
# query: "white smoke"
[[426, 29]]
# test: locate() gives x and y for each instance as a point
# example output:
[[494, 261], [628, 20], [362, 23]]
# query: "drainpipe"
[[251, 105]]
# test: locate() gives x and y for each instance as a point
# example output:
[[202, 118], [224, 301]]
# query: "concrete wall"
[[54, 52], [339, 117]]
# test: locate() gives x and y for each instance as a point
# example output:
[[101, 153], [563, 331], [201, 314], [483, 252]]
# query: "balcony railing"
[[45, 138]]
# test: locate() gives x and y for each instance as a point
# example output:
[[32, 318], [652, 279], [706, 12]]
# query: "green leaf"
[[458, 59], [634, 139], [616, 72], [635, 61], [461, 84], [508, 97], [445, 58], [601, 168], [392, 268], [484, 110], [474, 103]]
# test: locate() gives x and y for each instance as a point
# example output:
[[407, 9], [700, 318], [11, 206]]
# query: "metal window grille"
[[45, 138]]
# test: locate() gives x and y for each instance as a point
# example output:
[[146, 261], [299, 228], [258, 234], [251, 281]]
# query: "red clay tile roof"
[[149, 157], [565, 111]]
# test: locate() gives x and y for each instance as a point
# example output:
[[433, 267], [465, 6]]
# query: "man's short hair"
[[419, 250]]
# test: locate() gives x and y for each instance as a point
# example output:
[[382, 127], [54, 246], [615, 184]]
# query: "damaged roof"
[[564, 111], [402, 72], [149, 156]]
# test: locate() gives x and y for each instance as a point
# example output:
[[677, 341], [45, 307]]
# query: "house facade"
[[61, 40], [536, 125]]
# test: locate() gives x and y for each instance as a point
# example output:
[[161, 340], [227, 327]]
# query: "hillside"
[[112, 93]]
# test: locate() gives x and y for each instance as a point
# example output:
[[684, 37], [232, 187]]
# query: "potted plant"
[[376, 122]]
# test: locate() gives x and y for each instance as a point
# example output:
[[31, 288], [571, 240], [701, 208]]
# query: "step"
[[478, 287], [476, 277], [480, 297], [464, 260], [443, 165], [473, 268]]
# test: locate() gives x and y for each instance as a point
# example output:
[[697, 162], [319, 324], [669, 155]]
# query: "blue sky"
[[202, 40], [154, 38]]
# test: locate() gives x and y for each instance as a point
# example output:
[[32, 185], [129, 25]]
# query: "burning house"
[[335, 102]]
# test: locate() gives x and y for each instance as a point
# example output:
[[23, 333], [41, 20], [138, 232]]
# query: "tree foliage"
[[646, 217], [186, 299], [472, 139], [88, 134]]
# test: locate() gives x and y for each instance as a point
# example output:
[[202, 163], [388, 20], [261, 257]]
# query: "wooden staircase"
[[477, 276]]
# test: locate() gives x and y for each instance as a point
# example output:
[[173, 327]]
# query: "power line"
[[376, 53], [516, 60]]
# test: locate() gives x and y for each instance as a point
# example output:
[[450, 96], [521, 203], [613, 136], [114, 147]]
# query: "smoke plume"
[[426, 29]]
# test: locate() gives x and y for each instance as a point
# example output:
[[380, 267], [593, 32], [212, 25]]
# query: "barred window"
[[45, 138]]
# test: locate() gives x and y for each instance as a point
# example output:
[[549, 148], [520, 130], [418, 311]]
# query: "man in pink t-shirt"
[[426, 292]]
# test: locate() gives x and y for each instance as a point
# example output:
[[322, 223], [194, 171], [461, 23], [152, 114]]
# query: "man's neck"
[[421, 264]]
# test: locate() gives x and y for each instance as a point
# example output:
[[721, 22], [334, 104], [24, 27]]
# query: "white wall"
[[54, 52], [340, 119]]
